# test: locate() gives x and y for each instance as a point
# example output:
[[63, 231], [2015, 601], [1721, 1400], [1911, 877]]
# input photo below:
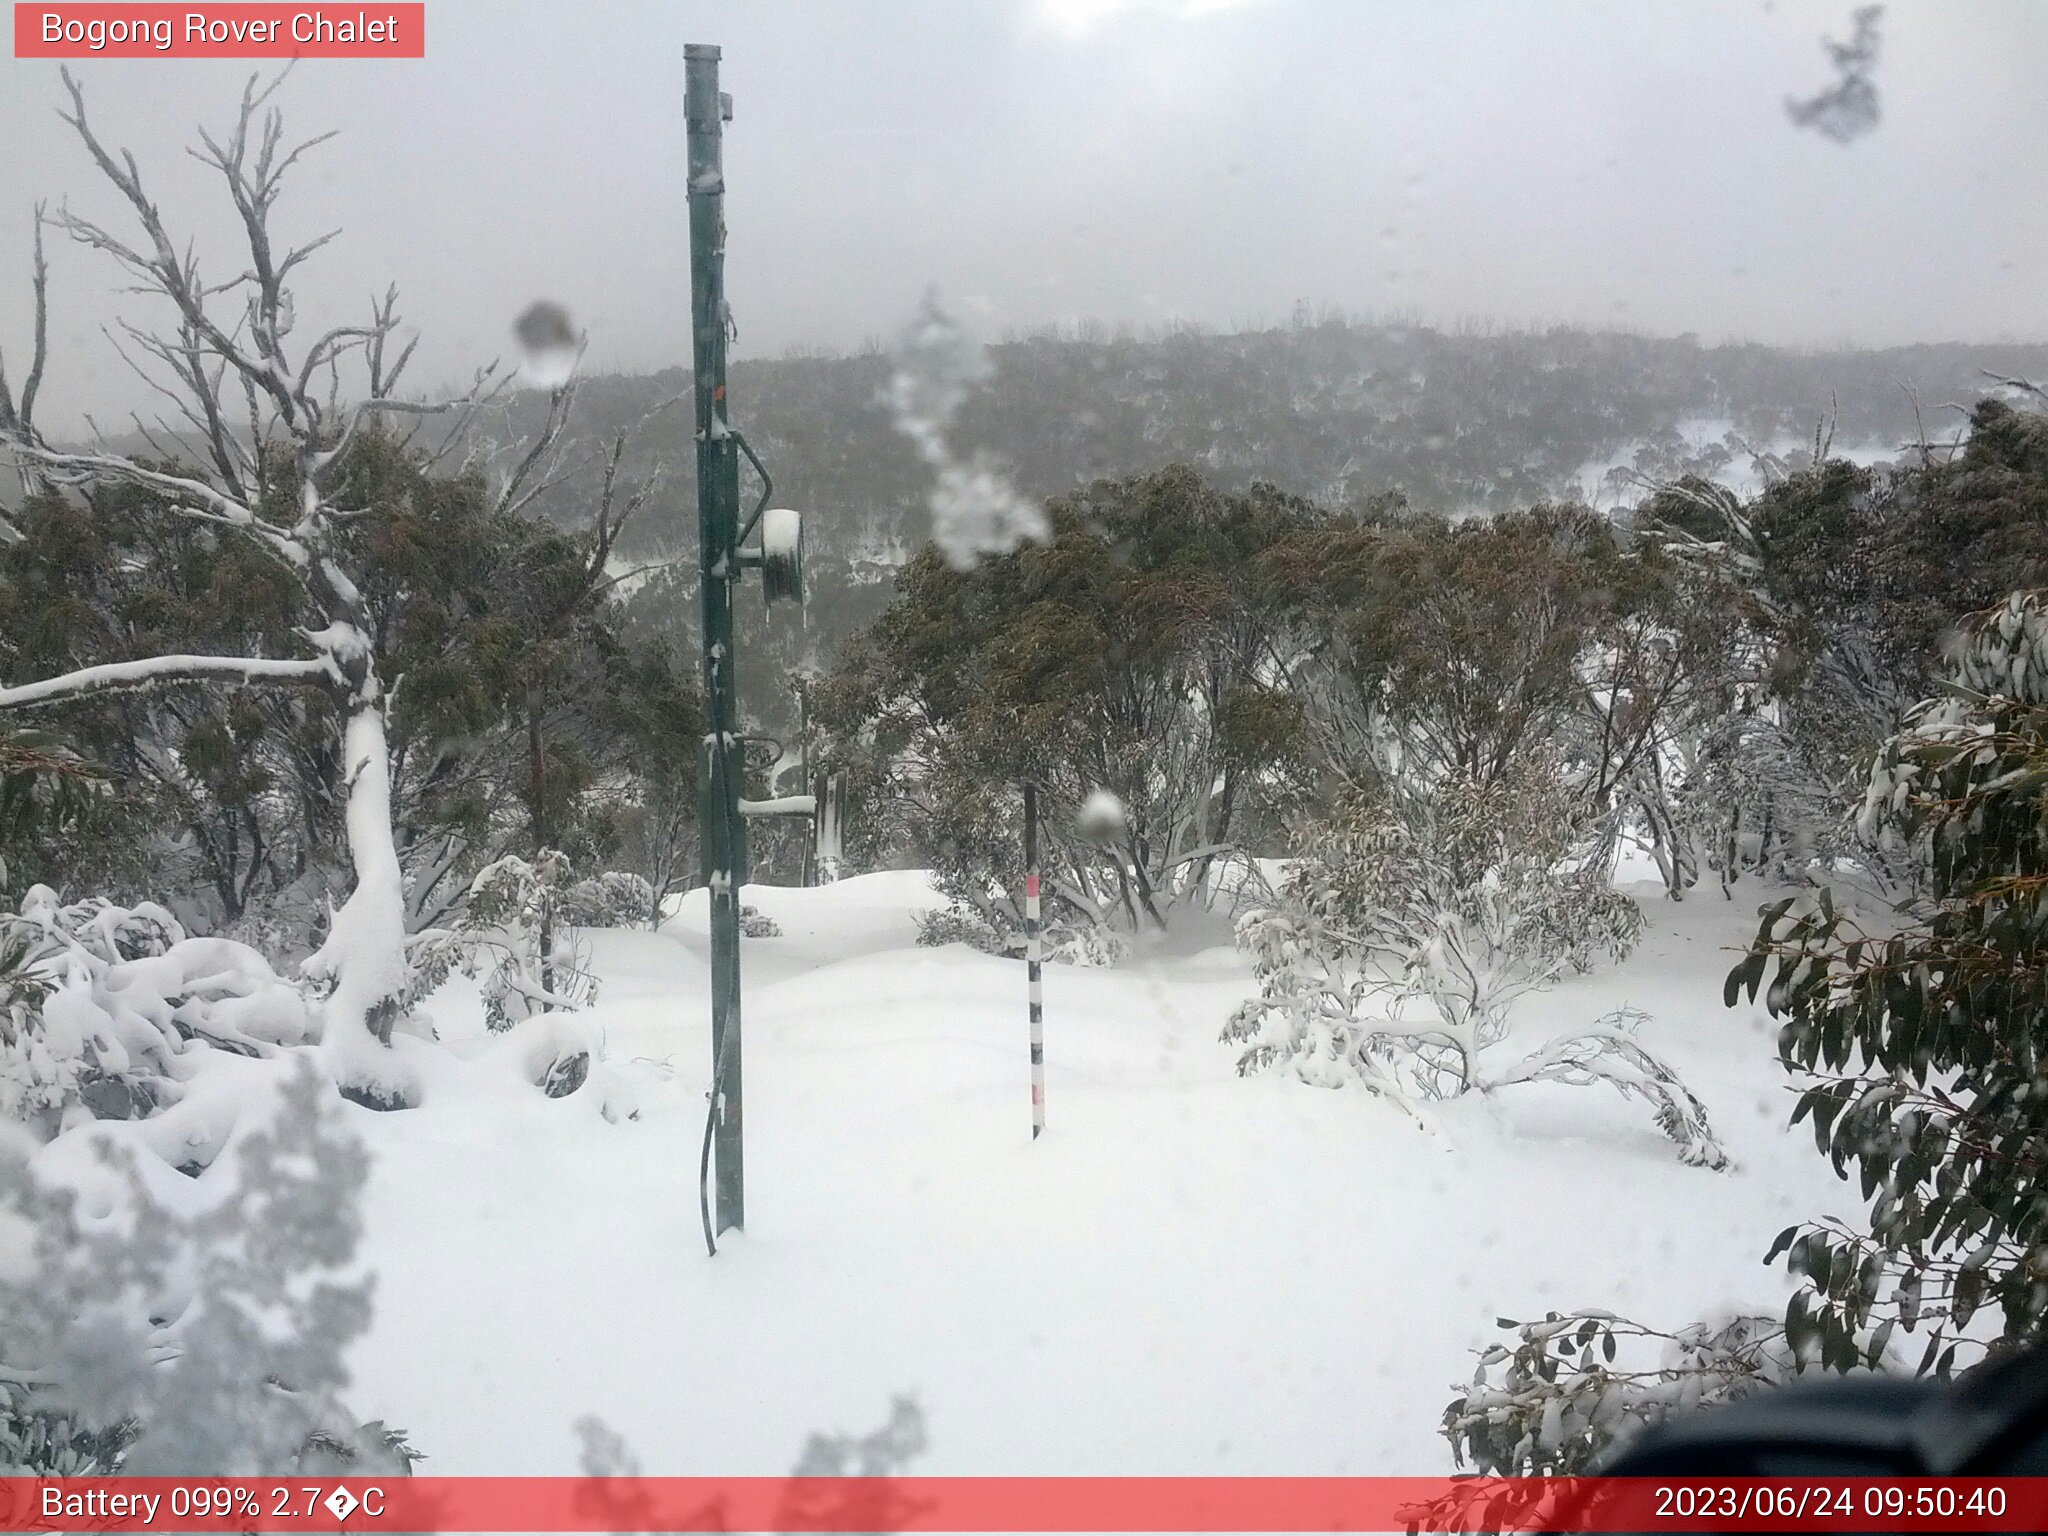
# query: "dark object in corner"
[[1990, 1422]]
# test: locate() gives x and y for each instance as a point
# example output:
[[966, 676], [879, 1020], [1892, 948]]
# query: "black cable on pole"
[[704, 1158]]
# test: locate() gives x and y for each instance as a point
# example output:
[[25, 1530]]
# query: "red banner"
[[1061, 1504], [360, 31]]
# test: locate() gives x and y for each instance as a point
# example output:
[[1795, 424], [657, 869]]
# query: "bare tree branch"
[[17, 422], [2024, 386], [183, 495]]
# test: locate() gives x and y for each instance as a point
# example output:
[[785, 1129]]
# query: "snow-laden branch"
[[163, 671], [185, 496]]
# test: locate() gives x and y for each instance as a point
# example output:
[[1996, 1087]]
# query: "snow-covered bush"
[[519, 927], [99, 1005], [517, 923], [1576, 1385], [36, 1082], [1756, 803], [756, 924], [1398, 947], [1571, 1392], [1061, 943], [155, 1325], [939, 926], [561, 1055], [615, 899], [1064, 944]]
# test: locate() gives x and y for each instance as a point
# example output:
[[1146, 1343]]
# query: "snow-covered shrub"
[[104, 1004], [957, 924], [1085, 944], [36, 1081], [1399, 945], [1562, 1396], [149, 1325], [756, 924], [1061, 943], [515, 921], [560, 1055], [1573, 1390], [614, 899], [1756, 803], [520, 923]]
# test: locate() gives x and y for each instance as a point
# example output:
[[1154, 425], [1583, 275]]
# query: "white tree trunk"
[[363, 959]]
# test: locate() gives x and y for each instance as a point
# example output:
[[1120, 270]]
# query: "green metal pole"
[[724, 854]]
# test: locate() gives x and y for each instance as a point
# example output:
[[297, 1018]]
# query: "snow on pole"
[[1034, 957]]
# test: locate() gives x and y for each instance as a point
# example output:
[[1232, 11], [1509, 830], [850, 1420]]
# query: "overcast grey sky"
[[1623, 163]]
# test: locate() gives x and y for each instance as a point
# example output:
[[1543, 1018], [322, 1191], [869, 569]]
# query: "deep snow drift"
[[1191, 1273]]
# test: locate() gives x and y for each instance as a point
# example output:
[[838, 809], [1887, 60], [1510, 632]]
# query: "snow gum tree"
[[1837, 588], [1430, 650], [264, 411], [1125, 654], [1426, 651]]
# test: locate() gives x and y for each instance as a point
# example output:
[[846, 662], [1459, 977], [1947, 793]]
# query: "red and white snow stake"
[[1034, 956]]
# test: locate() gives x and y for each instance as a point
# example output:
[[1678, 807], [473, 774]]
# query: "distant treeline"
[[1341, 412]]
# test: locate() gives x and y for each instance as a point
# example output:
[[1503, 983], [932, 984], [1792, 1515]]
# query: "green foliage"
[[1925, 1047], [1574, 1385], [1423, 651], [1449, 647], [655, 722], [47, 794], [1127, 654]]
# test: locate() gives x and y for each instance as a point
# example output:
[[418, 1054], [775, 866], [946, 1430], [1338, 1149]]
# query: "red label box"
[[372, 30]]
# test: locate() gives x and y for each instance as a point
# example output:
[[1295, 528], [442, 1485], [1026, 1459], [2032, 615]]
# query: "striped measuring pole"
[[1034, 957]]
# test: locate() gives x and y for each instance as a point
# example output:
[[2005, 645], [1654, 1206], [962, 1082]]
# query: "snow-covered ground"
[[1191, 1273]]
